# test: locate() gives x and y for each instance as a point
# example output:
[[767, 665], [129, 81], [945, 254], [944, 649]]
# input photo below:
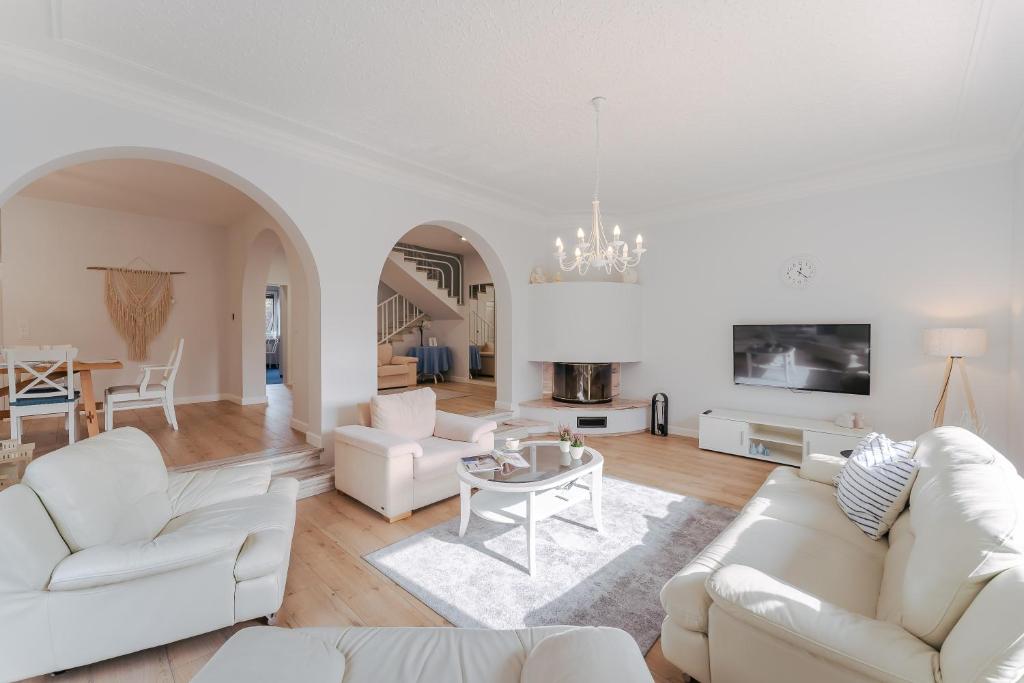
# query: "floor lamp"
[[954, 344]]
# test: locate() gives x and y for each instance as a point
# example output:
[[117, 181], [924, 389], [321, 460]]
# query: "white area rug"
[[442, 394], [613, 579]]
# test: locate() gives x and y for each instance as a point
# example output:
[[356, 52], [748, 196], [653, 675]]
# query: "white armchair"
[[403, 456], [107, 553]]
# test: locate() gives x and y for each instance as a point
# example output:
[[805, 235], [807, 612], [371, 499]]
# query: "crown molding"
[[283, 136], [889, 170], [296, 140]]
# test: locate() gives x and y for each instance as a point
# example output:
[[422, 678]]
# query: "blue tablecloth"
[[431, 360], [474, 358]]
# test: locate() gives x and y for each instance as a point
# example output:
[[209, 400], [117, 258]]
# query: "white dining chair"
[[147, 391], [49, 388]]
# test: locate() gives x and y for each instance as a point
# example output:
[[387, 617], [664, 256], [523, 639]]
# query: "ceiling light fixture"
[[596, 249]]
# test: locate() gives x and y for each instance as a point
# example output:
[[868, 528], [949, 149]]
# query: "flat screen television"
[[832, 358]]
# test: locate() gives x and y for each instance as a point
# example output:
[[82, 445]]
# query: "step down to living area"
[[300, 462]]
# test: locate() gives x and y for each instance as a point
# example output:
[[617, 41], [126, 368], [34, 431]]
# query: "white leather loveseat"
[[545, 654], [404, 453], [104, 552], [793, 591]]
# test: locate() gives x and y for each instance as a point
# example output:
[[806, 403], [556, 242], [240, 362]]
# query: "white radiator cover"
[[585, 322]]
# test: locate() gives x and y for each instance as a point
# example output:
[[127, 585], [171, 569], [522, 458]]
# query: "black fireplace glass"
[[582, 382]]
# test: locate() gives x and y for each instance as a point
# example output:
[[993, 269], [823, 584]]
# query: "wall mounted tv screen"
[[832, 358]]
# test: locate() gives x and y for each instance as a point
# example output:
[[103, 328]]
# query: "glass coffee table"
[[525, 496]]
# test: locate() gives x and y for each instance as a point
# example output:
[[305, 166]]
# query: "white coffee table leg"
[[464, 497], [595, 499], [531, 532]]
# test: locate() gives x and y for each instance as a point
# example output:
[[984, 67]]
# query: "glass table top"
[[545, 460]]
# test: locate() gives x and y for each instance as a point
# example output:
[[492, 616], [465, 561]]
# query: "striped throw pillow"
[[874, 485]]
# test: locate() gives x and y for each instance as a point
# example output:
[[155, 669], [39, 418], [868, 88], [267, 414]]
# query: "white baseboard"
[[682, 431], [178, 401], [313, 439], [505, 406], [298, 425]]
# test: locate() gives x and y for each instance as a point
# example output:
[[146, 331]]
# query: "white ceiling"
[[705, 98], [436, 237], [149, 188]]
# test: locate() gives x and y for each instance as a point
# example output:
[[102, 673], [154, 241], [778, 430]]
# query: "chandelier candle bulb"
[[616, 232]]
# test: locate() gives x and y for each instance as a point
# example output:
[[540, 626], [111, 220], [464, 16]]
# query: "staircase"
[[430, 281], [396, 316], [440, 267], [299, 462]]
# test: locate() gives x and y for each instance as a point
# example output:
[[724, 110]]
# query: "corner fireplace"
[[582, 382]]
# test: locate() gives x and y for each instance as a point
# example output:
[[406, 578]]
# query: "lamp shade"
[[961, 342]]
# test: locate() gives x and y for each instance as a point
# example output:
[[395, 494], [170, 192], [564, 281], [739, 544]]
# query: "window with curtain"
[[273, 313]]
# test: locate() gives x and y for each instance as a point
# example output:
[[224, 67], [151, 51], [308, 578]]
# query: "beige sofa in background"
[[394, 371], [793, 591], [403, 454]]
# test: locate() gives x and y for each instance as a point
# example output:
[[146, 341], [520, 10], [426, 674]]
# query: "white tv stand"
[[786, 438]]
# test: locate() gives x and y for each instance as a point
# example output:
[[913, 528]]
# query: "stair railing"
[[481, 329], [395, 315], [447, 266]]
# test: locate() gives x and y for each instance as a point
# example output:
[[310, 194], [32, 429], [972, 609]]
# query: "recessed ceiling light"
[[463, 238]]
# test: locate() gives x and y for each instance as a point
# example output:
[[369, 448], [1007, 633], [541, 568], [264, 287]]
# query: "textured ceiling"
[[705, 97], [149, 188], [436, 237]]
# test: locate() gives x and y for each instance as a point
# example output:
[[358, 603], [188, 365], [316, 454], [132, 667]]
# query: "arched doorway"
[[223, 282], [440, 299]]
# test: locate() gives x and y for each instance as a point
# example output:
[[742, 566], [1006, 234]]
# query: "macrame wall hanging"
[[138, 302]]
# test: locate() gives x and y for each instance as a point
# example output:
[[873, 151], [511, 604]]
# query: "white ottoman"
[[426, 655]]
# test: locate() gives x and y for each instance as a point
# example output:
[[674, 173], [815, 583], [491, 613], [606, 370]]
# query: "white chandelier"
[[596, 249]]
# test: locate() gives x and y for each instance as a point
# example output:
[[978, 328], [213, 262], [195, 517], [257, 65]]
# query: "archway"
[[465, 272], [307, 400]]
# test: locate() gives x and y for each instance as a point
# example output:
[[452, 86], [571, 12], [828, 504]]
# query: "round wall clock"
[[799, 271]]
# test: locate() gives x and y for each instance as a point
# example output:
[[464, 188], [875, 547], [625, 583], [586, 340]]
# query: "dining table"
[[84, 370]]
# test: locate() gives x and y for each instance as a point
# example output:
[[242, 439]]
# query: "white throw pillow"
[[586, 655], [874, 486], [411, 414]]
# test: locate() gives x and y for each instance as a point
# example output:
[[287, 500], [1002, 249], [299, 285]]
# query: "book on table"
[[493, 461]]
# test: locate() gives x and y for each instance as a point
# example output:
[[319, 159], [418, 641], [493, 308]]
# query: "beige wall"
[[63, 302], [50, 298]]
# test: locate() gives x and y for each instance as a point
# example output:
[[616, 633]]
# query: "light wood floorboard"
[[329, 584]]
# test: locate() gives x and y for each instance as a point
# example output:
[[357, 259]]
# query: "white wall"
[[903, 256], [1017, 316], [342, 215], [50, 298]]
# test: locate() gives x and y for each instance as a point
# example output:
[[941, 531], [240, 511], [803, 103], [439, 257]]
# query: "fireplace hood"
[[592, 322]]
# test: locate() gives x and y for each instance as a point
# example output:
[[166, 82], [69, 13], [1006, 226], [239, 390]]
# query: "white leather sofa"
[[403, 454], [104, 552], [793, 591], [546, 654]]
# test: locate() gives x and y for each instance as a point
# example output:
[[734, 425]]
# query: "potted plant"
[[564, 438], [576, 446]]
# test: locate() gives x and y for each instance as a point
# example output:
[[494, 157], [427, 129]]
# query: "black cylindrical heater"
[[659, 415]]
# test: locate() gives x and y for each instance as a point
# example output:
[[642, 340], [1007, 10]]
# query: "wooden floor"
[[207, 431], [219, 429], [329, 584]]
